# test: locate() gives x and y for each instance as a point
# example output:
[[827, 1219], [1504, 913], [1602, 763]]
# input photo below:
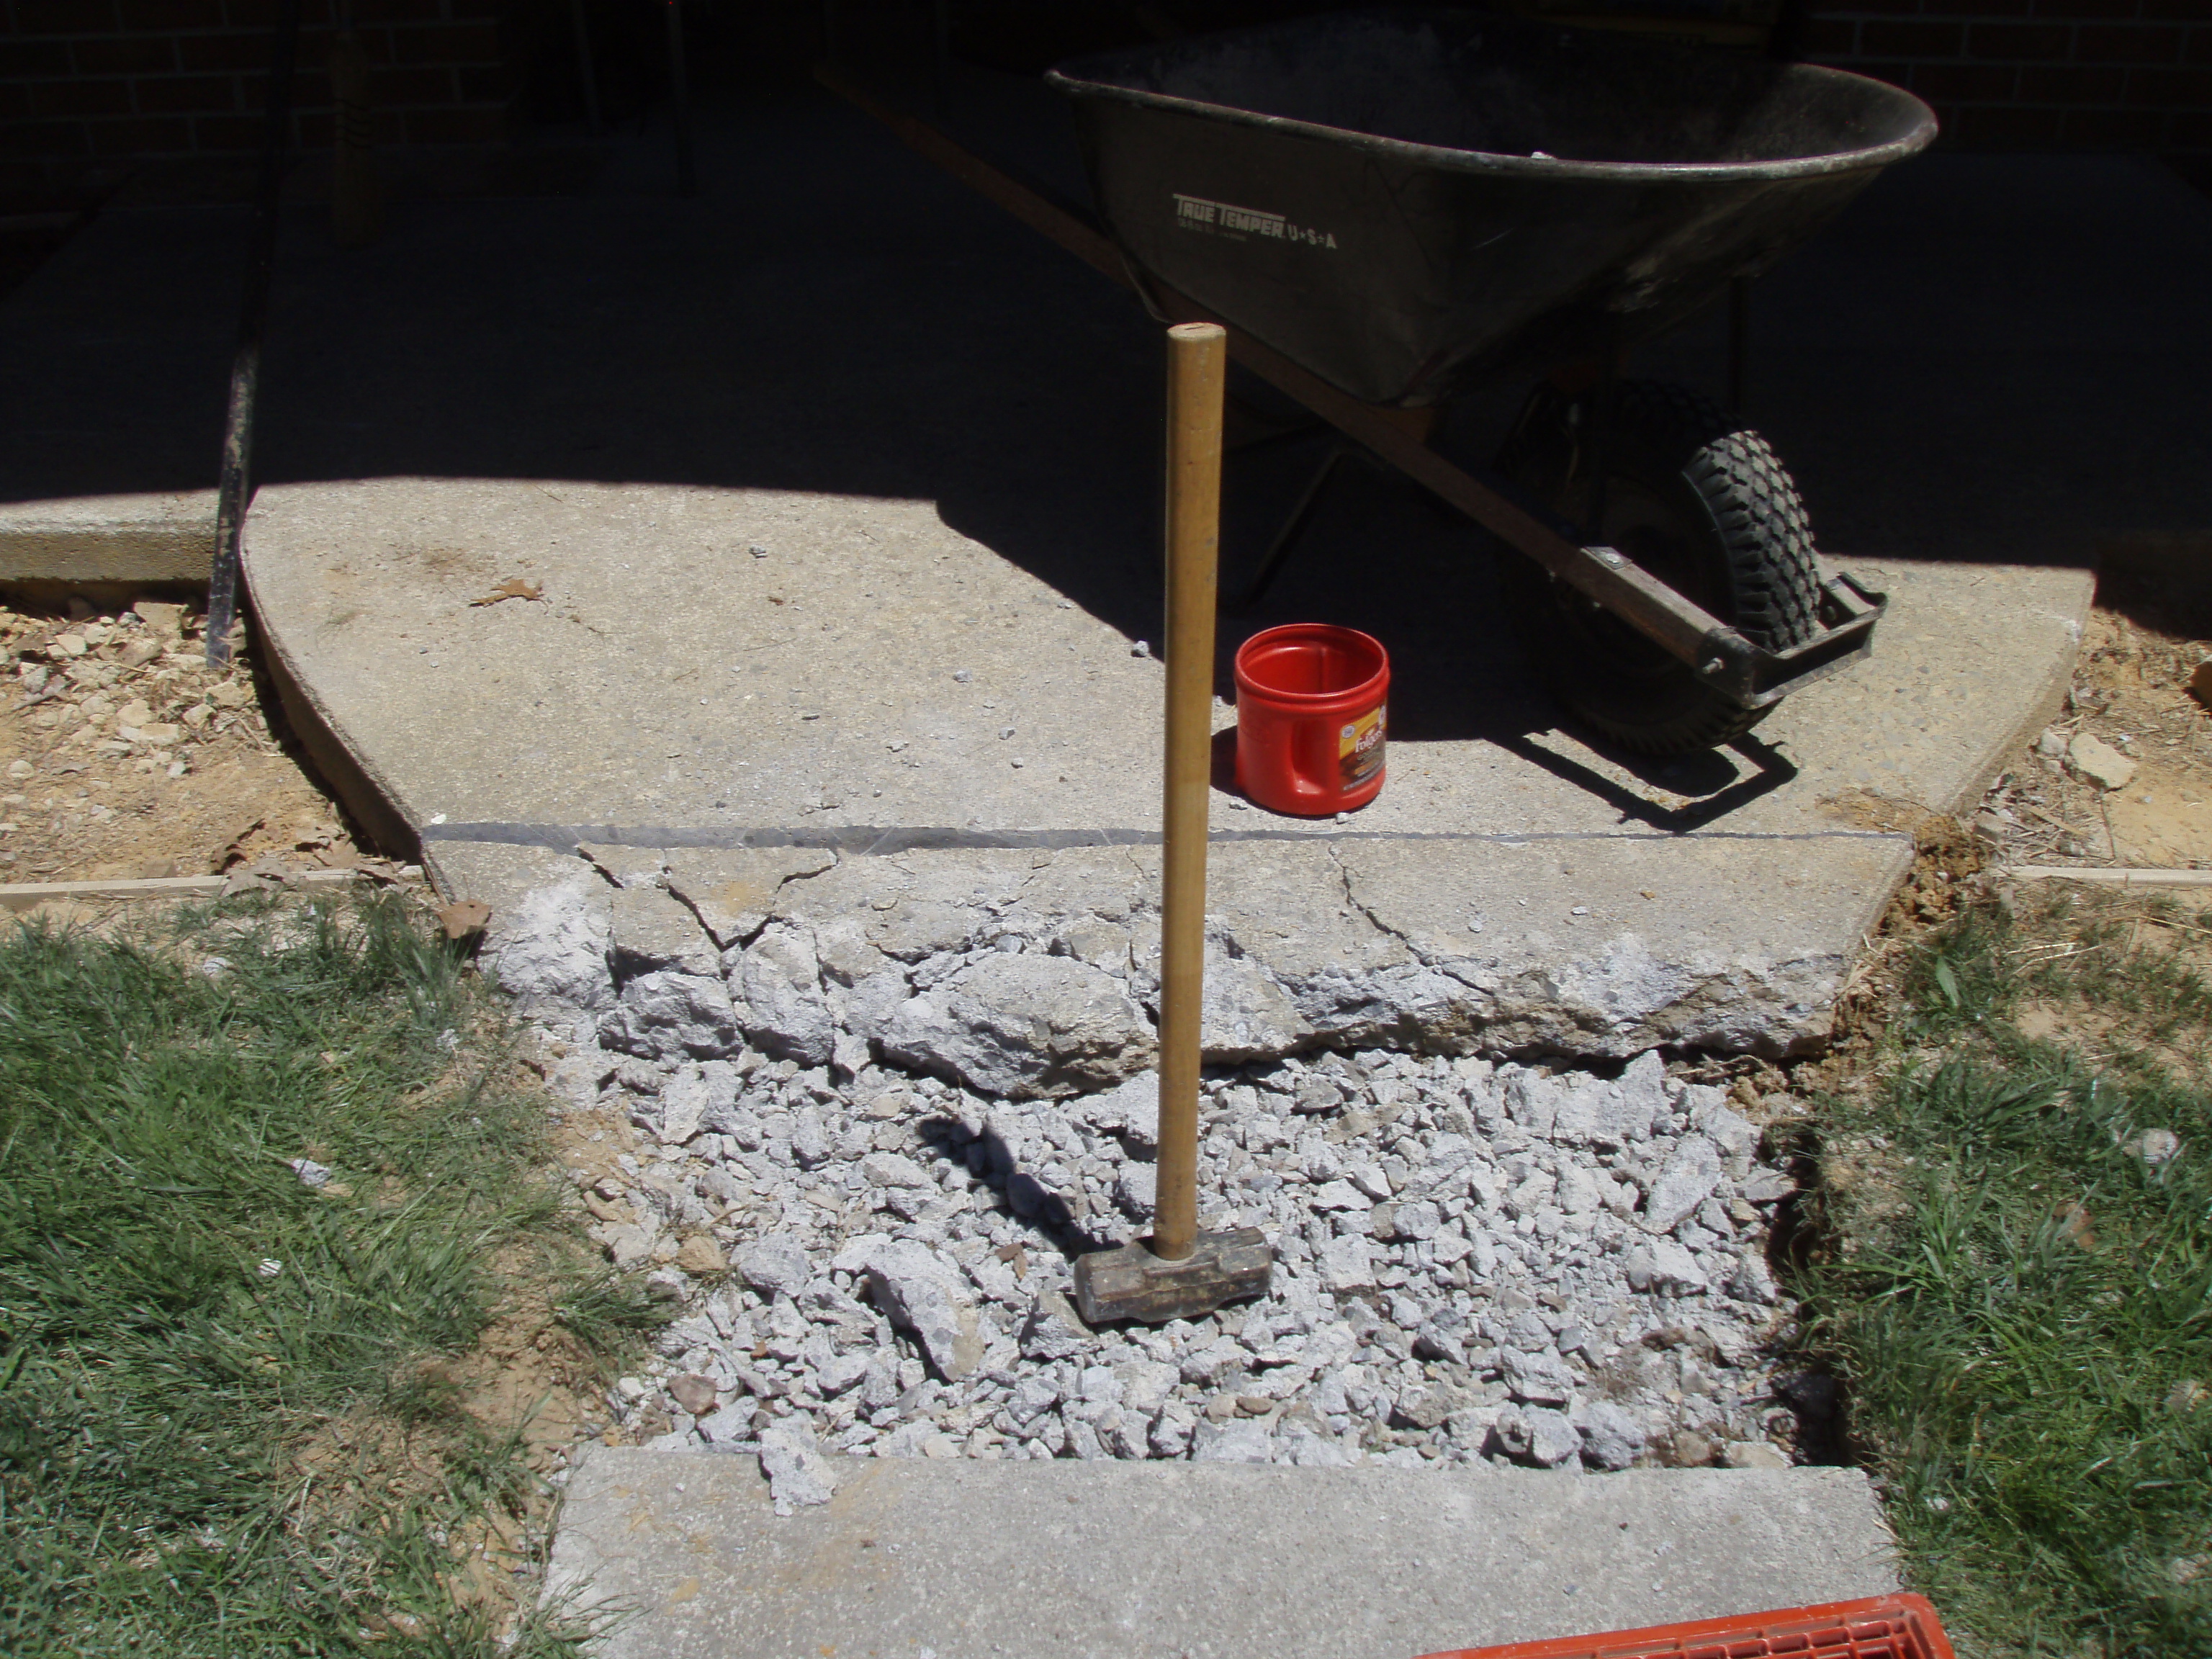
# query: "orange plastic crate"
[[1880, 1627]]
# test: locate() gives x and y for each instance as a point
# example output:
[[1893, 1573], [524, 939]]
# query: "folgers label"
[[1359, 749], [1311, 716]]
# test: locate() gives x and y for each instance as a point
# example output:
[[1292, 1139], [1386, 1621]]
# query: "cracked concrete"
[[1535, 945]]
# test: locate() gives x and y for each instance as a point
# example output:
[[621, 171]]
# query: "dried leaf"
[[267, 874], [515, 587], [463, 917], [234, 849]]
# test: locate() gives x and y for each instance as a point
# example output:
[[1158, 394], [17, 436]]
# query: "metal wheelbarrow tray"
[[1386, 207], [1404, 202]]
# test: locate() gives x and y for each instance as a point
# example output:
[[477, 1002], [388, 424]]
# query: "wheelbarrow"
[[1388, 208]]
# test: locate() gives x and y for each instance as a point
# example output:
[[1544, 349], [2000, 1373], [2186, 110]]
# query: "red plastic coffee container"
[[1310, 717]]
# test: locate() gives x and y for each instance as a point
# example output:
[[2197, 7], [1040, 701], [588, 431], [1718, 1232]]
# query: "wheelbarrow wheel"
[[1700, 503]]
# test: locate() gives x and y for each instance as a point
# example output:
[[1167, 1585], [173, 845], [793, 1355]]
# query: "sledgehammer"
[[1179, 1273]]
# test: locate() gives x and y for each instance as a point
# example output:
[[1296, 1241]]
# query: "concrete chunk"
[[1692, 1169], [1024, 1025], [922, 1292]]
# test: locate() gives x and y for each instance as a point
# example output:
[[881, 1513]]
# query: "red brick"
[[2180, 11], [2006, 126], [2103, 11], [147, 135], [124, 54], [229, 134], [397, 88], [187, 94], [2200, 45], [2131, 129], [2123, 43], [1974, 10], [230, 50], [15, 101], [375, 45], [44, 138], [400, 14], [1964, 83], [2189, 129], [158, 16], [64, 17], [316, 132], [264, 14], [468, 11], [2071, 84], [311, 89], [1851, 11], [20, 60], [456, 126], [1900, 40], [1824, 37], [78, 97], [2175, 88], [486, 84], [452, 43], [2020, 41], [1897, 74]]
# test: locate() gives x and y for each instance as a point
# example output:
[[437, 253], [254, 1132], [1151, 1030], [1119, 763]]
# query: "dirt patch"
[[2130, 693], [122, 755]]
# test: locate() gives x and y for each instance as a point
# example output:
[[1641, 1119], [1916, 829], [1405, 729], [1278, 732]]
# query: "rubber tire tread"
[[1765, 537], [1755, 527]]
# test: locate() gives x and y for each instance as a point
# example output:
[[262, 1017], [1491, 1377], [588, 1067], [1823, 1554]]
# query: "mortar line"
[[876, 841]]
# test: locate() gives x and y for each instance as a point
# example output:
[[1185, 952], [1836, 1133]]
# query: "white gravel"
[[1474, 1259]]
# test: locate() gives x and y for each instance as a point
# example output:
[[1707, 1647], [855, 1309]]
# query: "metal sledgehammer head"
[[1132, 1282]]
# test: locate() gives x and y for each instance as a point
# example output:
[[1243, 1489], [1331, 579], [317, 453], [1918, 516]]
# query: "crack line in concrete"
[[1352, 898], [866, 841]]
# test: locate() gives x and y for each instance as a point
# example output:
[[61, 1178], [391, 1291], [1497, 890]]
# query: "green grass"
[[2021, 1306], [159, 1383]]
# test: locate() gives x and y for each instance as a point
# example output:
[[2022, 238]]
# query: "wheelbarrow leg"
[[1286, 537]]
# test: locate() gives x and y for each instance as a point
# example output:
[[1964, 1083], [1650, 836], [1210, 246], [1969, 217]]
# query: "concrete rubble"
[[899, 1128]]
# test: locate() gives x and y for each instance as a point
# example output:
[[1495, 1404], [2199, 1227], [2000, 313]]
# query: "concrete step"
[[1098, 1560]]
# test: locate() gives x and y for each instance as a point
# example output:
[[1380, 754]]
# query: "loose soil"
[[122, 755], [2131, 690]]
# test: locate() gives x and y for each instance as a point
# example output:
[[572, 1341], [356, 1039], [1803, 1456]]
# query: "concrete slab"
[[1103, 1560], [942, 432], [165, 538]]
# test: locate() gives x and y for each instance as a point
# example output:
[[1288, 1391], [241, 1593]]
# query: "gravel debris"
[[1469, 1264]]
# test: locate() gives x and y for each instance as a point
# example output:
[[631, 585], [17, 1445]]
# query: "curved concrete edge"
[[2046, 699], [151, 539], [373, 799], [1066, 1559]]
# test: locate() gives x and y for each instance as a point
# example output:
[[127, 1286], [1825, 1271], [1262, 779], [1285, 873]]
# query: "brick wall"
[[88, 83], [2056, 74]]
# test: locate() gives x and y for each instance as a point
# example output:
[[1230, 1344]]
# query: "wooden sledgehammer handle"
[[1198, 359]]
